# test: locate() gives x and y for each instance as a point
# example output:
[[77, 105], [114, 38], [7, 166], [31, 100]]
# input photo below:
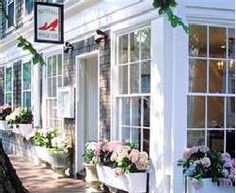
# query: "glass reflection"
[[230, 112], [123, 49], [230, 142], [231, 43], [198, 41], [134, 78], [217, 42], [215, 140], [123, 79], [215, 112], [196, 112], [195, 138], [231, 76], [197, 75]]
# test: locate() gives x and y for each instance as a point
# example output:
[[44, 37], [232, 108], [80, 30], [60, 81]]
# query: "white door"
[[91, 99], [87, 105]]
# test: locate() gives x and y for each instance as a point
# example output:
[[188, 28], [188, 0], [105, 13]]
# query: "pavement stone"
[[38, 179]]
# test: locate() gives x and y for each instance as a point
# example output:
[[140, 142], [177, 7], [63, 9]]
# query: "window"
[[29, 4], [211, 98], [133, 98], [8, 86], [54, 81], [11, 13], [26, 84]]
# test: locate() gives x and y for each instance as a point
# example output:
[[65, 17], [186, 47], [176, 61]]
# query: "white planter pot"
[[22, 129], [43, 154], [208, 187], [3, 125], [132, 182]]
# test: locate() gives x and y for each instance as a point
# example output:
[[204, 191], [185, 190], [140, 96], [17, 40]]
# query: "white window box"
[[132, 182], [4, 126], [22, 129], [208, 187]]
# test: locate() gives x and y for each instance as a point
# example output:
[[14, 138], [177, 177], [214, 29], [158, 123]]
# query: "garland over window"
[[165, 7]]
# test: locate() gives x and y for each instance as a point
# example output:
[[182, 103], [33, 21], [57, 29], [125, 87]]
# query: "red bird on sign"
[[51, 27]]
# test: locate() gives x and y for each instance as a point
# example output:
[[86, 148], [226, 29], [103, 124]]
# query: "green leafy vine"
[[22, 42], [165, 7]]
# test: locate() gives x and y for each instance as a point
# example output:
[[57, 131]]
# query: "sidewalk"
[[41, 180]]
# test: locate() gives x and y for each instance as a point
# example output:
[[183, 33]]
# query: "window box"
[[132, 182], [207, 186], [22, 129], [3, 125], [42, 154]]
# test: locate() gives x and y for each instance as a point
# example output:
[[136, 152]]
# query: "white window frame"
[[206, 94], [22, 81], [12, 84], [117, 96], [14, 16], [56, 53]]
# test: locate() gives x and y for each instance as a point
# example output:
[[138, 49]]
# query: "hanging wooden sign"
[[48, 23]]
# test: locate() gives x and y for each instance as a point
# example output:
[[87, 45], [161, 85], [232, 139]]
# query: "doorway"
[[87, 104]]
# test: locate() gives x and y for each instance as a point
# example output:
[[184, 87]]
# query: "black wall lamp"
[[100, 36], [68, 47]]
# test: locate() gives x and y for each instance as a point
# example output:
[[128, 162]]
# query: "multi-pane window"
[[10, 13], [211, 97], [26, 84], [8, 86], [133, 97], [54, 81]]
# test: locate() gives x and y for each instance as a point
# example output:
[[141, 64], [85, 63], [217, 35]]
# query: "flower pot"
[[206, 186], [132, 182], [43, 154], [3, 125], [58, 163], [22, 129], [92, 177]]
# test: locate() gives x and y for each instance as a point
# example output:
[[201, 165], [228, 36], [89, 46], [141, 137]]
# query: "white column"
[[36, 95]]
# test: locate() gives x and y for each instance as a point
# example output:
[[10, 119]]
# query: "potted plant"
[[91, 157], [20, 121], [59, 154], [5, 110], [208, 171], [123, 167]]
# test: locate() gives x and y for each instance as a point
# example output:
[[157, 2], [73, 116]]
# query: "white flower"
[[206, 162]]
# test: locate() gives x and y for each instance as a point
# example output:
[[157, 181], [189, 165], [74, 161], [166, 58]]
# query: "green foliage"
[[26, 45], [44, 139], [165, 7], [22, 42]]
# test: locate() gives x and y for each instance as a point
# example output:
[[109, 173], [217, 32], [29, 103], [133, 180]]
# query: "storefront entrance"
[[87, 106]]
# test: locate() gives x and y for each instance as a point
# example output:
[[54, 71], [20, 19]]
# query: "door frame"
[[79, 103]]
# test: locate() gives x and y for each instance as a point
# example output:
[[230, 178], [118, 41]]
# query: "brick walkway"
[[41, 180]]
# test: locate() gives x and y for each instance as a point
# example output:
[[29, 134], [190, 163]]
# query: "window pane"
[[9, 98], [146, 139], [54, 87], [198, 41], [134, 78], [8, 79], [230, 142], [136, 111], [125, 132], [145, 39], [125, 113], [145, 77], [59, 81], [215, 140], [217, 76], [10, 14], [123, 79], [231, 42], [136, 137], [49, 86], [197, 75], [49, 66], [27, 99], [54, 65], [217, 41], [215, 112], [29, 6], [195, 138], [26, 76], [196, 112], [146, 111], [231, 76], [134, 46], [230, 112], [123, 49], [59, 64]]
